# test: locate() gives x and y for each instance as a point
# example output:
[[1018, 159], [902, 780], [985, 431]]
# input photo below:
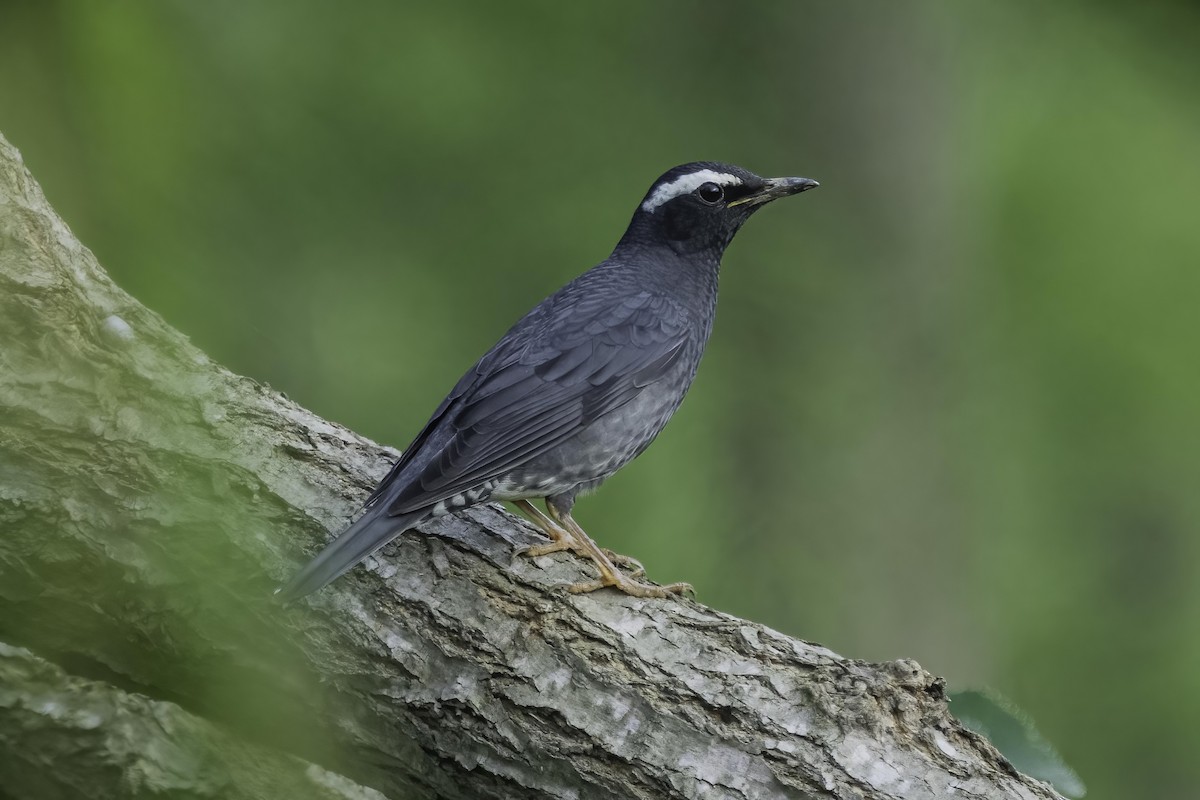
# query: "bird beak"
[[776, 188]]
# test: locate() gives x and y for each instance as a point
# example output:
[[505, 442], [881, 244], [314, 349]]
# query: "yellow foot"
[[632, 565], [633, 587], [535, 550], [565, 534], [635, 568]]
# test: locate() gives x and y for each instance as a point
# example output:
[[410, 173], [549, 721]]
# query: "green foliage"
[[949, 408], [1013, 733]]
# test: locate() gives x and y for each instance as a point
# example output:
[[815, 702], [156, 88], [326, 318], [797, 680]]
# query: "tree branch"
[[151, 500], [61, 736]]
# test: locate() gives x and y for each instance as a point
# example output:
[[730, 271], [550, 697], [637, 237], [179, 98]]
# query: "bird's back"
[[573, 391]]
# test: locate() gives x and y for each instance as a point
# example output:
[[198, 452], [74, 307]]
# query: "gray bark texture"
[[150, 501]]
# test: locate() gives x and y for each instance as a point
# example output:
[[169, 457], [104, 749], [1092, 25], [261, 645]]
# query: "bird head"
[[698, 207]]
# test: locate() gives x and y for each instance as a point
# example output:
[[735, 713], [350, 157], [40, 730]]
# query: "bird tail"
[[365, 535]]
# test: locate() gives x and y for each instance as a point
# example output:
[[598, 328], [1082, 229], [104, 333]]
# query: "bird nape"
[[577, 388]]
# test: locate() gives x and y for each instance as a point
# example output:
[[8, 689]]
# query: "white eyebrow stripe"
[[687, 183]]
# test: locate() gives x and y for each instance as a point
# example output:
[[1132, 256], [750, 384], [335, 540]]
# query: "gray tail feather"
[[365, 535]]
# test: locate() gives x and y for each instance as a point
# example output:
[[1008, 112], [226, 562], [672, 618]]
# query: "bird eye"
[[710, 193]]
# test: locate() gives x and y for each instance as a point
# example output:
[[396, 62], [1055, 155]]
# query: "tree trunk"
[[150, 501]]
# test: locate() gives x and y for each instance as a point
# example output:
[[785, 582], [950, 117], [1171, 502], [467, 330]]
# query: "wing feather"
[[514, 407]]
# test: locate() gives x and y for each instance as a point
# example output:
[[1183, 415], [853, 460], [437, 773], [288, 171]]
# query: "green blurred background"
[[949, 411]]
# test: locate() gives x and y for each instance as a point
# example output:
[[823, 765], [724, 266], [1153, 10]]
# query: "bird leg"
[[609, 574], [559, 539], [564, 540]]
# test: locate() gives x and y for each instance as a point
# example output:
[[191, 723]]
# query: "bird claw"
[[681, 587], [535, 550], [569, 536], [634, 567], [632, 587]]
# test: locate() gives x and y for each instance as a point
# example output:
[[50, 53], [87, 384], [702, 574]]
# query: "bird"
[[577, 388]]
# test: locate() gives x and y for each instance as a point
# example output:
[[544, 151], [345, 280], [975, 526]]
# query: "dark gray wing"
[[518, 403]]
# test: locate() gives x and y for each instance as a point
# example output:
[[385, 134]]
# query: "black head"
[[699, 207]]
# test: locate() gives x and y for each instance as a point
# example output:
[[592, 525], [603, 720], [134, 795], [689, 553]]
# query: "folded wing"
[[515, 406]]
